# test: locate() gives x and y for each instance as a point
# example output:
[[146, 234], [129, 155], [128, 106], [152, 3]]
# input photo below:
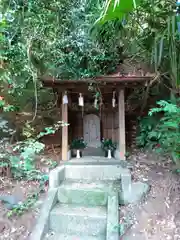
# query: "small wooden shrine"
[[95, 108]]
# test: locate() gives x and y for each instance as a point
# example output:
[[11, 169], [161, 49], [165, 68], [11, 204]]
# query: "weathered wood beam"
[[82, 87], [122, 132], [64, 109], [99, 80]]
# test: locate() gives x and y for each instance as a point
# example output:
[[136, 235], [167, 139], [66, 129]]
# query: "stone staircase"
[[82, 202], [81, 210], [84, 222]]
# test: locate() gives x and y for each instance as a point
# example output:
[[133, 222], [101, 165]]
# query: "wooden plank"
[[116, 135], [105, 133], [122, 138], [116, 120], [109, 131], [109, 120], [64, 131]]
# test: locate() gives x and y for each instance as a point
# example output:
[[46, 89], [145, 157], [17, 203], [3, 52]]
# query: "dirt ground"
[[17, 227], [156, 218]]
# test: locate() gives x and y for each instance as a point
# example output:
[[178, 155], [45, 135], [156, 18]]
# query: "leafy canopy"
[[44, 37], [151, 33]]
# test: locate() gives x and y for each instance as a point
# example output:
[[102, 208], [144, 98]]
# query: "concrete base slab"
[[133, 195], [94, 172], [94, 160], [73, 237]]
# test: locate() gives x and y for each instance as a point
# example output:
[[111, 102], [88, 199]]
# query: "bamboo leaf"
[[117, 9], [116, 3]]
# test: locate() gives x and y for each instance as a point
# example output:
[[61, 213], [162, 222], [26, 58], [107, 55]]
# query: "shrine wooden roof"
[[103, 80], [125, 74]]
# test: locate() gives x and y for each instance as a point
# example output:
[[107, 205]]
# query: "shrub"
[[162, 133], [108, 144], [78, 143], [147, 137], [168, 128]]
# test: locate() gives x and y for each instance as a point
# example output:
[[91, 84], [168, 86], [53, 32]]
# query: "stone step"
[[74, 237], [87, 193], [92, 151], [95, 172], [97, 160], [72, 219]]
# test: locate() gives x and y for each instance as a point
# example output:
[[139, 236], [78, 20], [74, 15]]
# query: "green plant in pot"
[[78, 144], [109, 147]]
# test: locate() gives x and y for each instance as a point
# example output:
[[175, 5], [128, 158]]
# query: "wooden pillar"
[[113, 137], [122, 132], [65, 149]]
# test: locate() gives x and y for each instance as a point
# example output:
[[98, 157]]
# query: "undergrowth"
[[21, 159], [21, 156], [160, 130]]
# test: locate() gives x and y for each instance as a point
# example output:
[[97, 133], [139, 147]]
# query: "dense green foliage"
[[168, 128], [147, 137], [59, 38], [150, 34], [53, 38], [162, 133]]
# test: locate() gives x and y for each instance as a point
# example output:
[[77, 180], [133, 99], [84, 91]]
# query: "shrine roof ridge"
[[102, 79]]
